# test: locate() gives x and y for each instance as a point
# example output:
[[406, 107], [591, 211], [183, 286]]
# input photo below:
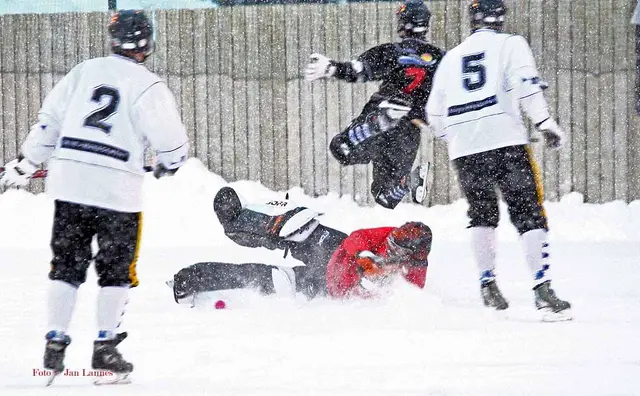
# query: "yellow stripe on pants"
[[537, 178], [133, 276]]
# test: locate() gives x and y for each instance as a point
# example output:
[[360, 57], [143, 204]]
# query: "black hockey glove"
[[160, 171], [553, 135]]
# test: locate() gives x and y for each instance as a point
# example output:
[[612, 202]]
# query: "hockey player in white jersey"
[[92, 130], [475, 104]]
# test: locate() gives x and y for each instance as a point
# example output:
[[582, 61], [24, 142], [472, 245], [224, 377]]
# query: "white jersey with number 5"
[[93, 128], [477, 92]]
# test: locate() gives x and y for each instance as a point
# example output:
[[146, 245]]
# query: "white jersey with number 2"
[[477, 92], [93, 128]]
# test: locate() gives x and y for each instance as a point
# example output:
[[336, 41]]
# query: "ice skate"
[[106, 358], [418, 182], [54, 351], [553, 309], [179, 296], [492, 296]]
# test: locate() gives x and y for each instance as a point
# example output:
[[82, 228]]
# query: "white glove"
[[319, 67], [553, 135], [17, 173]]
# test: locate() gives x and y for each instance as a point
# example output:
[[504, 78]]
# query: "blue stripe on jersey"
[[95, 148], [472, 106]]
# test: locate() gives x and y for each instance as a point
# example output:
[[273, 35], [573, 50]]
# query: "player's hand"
[[159, 171], [369, 264], [553, 135], [319, 67], [375, 267], [17, 173]]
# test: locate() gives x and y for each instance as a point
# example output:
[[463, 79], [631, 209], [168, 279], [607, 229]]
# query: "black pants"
[[118, 236], [392, 153], [513, 172], [315, 252], [311, 279], [210, 276]]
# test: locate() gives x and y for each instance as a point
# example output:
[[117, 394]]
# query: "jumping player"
[[387, 131]]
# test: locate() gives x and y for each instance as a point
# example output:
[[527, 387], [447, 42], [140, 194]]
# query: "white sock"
[[61, 301], [111, 302], [484, 249], [536, 251]]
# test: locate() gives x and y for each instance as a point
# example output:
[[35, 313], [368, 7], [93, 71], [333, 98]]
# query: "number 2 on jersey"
[[96, 119], [474, 74], [418, 74]]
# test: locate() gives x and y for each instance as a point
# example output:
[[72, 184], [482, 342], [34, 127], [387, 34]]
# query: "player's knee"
[[388, 197], [120, 273], [73, 277], [529, 220], [227, 205], [115, 280], [340, 149], [484, 214]]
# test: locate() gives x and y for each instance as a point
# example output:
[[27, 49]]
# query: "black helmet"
[[413, 19], [131, 31], [411, 242], [487, 13]]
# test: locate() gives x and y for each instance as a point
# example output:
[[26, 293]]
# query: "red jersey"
[[343, 278]]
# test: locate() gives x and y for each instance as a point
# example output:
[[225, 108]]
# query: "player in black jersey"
[[387, 131]]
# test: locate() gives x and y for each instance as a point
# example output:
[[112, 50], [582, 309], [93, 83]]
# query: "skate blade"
[[52, 378], [420, 191], [420, 195], [424, 170], [115, 379], [549, 316]]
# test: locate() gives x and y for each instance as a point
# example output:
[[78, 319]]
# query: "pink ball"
[[220, 304]]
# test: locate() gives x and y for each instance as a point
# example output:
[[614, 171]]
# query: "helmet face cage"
[[487, 13], [131, 32], [413, 19], [410, 242]]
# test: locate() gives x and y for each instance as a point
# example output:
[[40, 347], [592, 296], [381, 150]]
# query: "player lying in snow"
[[336, 264]]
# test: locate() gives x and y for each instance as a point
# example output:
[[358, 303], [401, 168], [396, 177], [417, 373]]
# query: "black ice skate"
[[180, 296], [418, 182], [54, 353], [553, 308], [492, 297], [106, 358]]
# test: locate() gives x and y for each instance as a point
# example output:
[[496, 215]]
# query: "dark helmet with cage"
[[410, 242], [413, 19], [131, 32], [487, 14]]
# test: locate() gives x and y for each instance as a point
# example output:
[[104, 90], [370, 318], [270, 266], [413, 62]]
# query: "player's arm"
[[43, 135], [372, 65], [365, 239], [523, 78], [416, 275], [435, 109], [155, 114]]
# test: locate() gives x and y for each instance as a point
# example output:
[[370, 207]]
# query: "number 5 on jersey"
[[474, 74], [96, 119]]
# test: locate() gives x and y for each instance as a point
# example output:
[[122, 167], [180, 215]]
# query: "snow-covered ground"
[[437, 341]]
